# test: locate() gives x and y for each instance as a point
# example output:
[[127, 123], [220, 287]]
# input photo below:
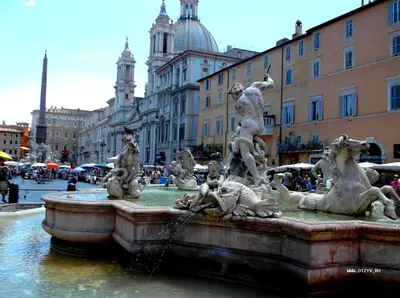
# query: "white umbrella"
[[112, 159], [11, 163], [304, 166], [111, 165], [88, 165], [38, 165], [65, 167], [392, 166], [200, 168], [366, 165]]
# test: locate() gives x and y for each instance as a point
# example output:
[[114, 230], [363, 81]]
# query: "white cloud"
[[30, 3]]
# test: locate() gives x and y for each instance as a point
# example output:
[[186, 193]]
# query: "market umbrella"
[[5, 156], [11, 163], [367, 164], [392, 166], [52, 165], [298, 166], [88, 165], [79, 169], [38, 165], [103, 166]]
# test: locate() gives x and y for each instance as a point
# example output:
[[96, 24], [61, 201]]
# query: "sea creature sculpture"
[[232, 199], [351, 191], [183, 171]]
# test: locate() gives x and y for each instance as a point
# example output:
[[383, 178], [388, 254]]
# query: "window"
[[248, 68], [182, 131], [316, 68], [183, 105], [75, 123], [268, 121], [218, 128], [205, 69], [57, 122], [56, 147], [232, 122], [65, 135], [10, 141], [207, 84], [219, 97], [317, 41], [5, 141], [239, 54], [220, 79], [348, 57], [74, 135], [248, 83], [15, 152], [16, 142], [57, 133], [348, 104], [395, 44], [394, 95], [234, 74], [83, 123], [288, 52], [66, 147], [174, 131], [48, 121], [315, 108], [266, 62], [289, 76], [148, 136], [316, 138], [300, 48], [207, 102], [348, 30], [49, 133], [288, 113], [206, 128], [184, 74], [394, 12], [66, 122]]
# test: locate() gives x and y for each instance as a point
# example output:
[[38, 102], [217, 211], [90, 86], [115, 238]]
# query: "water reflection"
[[28, 268]]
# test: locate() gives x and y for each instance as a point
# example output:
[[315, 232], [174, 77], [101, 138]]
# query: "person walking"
[[3, 181], [395, 184]]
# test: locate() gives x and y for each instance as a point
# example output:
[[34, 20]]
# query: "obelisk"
[[41, 128]]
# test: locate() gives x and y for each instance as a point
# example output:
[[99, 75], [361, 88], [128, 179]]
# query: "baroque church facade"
[[166, 119]]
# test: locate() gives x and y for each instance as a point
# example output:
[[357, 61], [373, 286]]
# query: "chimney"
[[298, 29], [229, 48]]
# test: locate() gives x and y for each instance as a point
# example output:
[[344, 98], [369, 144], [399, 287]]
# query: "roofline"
[[347, 14], [308, 32], [215, 54]]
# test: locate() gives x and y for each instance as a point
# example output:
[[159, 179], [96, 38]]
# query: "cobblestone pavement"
[[36, 191]]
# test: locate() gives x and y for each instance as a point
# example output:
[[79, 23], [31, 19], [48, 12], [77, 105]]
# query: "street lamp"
[[102, 145]]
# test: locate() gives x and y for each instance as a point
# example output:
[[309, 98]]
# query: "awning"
[[24, 148]]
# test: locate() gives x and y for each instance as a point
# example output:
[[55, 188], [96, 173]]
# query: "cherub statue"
[[214, 180], [250, 105]]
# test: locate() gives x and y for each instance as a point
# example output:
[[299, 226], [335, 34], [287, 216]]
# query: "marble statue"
[[122, 182], [324, 183], [351, 192], [38, 153], [244, 190], [183, 171]]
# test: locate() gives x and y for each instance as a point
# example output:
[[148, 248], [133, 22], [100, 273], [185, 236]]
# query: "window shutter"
[[310, 111], [392, 98], [291, 114], [320, 105], [354, 105], [390, 13], [341, 106]]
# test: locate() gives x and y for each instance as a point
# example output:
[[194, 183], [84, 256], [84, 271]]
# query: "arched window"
[[177, 81], [187, 10], [191, 10]]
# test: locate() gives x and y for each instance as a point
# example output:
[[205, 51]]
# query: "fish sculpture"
[[233, 199]]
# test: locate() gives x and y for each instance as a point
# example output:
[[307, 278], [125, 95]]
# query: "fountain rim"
[[307, 226]]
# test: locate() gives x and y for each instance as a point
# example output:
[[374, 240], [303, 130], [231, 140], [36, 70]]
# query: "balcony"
[[311, 146]]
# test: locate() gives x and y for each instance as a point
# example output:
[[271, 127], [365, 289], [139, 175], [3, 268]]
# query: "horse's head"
[[349, 147]]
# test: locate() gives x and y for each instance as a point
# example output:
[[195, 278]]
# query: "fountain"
[[238, 227], [183, 171]]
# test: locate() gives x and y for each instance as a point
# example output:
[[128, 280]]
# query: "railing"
[[301, 147]]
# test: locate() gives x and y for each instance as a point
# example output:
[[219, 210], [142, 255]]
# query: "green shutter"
[[390, 12]]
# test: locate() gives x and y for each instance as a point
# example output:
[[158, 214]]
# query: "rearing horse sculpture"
[[351, 191]]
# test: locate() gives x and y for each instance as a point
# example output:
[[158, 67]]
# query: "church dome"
[[190, 34]]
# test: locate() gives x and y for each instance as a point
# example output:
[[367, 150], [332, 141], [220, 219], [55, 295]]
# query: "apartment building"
[[23, 143], [63, 126], [10, 141], [341, 77]]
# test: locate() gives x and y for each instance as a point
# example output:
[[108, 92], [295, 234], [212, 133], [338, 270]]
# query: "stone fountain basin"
[[20, 209], [315, 252]]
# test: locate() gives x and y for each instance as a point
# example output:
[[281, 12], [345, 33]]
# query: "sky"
[[84, 39]]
